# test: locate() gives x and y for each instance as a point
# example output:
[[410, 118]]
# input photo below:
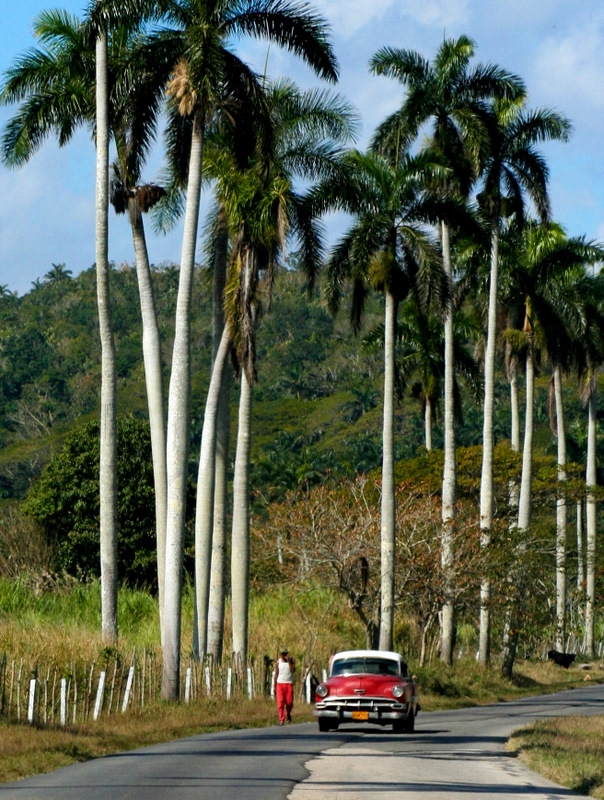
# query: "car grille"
[[360, 704]]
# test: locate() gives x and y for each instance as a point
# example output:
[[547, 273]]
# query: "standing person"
[[284, 686]]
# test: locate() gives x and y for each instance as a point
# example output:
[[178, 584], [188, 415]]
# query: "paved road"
[[453, 754]]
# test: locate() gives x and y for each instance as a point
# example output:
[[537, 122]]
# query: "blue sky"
[[557, 47]]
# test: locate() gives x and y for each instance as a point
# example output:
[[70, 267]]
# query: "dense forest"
[[316, 404]]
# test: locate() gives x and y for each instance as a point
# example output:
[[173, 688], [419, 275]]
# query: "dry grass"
[[567, 750]]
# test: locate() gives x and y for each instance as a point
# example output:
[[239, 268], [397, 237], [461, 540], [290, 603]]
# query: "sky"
[[557, 47]]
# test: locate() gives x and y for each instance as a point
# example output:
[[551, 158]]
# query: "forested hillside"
[[316, 404]]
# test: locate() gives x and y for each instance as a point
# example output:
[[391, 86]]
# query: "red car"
[[367, 686]]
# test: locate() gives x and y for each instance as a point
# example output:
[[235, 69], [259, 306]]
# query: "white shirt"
[[285, 673]]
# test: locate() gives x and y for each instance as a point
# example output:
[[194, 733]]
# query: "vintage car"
[[367, 686]]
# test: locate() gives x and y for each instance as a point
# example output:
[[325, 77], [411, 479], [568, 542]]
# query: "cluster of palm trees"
[[421, 211]]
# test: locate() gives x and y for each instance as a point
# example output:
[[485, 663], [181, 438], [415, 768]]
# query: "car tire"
[[398, 726], [409, 721], [324, 725]]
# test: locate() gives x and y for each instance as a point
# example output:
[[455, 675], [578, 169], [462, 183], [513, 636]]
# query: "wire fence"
[[69, 695], [55, 695]]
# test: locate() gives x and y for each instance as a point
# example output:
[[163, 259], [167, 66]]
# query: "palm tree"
[[59, 83], [108, 431], [58, 274], [453, 97], [261, 206], [205, 65], [200, 35], [216, 602], [590, 356], [387, 247], [420, 358], [545, 275], [513, 169], [38, 81]]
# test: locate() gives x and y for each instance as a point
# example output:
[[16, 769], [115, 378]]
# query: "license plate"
[[360, 714]]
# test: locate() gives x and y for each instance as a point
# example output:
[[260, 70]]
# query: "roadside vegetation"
[[61, 626], [567, 750]]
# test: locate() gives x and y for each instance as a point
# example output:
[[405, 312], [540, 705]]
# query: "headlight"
[[398, 691], [322, 690]]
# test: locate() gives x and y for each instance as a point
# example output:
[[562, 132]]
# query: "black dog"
[[561, 659]]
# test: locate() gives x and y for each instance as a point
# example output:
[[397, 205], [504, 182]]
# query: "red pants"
[[285, 700]]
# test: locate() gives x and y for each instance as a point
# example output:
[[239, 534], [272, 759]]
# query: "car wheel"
[[324, 725], [409, 721], [398, 726]]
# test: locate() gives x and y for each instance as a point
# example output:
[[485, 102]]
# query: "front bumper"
[[377, 709]]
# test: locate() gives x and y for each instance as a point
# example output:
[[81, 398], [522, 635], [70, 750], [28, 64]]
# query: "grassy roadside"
[[567, 750], [26, 750]]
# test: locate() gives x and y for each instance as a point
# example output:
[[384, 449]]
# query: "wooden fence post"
[[188, 685], [31, 705], [98, 703], [63, 701], [128, 688]]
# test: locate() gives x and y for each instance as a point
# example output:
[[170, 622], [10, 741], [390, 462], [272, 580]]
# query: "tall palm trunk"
[[580, 569], [561, 517], [178, 425], [428, 423], [152, 360], [219, 538], [240, 550], [204, 512], [388, 530], [449, 490], [514, 408], [526, 481], [486, 480], [514, 611], [514, 485], [590, 549], [108, 436]]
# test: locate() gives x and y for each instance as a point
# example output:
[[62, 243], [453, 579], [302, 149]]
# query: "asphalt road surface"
[[452, 754]]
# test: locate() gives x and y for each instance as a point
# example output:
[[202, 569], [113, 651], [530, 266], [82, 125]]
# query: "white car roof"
[[388, 654]]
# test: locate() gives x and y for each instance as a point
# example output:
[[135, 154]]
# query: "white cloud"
[[440, 13], [572, 67], [349, 16]]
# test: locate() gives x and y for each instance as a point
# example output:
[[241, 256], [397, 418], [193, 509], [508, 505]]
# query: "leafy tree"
[[65, 500]]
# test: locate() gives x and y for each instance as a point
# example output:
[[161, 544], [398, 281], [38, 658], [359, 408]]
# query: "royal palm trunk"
[[561, 518], [178, 425], [240, 551], [204, 512], [486, 481], [590, 549], [388, 531], [449, 490], [152, 361], [108, 433]]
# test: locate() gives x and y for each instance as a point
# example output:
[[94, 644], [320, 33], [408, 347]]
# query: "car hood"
[[371, 685]]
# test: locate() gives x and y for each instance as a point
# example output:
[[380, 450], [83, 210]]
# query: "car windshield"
[[367, 666]]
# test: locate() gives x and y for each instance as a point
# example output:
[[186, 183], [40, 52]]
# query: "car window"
[[367, 666]]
